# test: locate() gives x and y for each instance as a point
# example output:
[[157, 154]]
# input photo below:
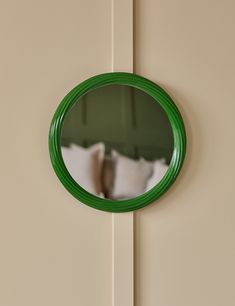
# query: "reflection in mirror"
[[117, 142]]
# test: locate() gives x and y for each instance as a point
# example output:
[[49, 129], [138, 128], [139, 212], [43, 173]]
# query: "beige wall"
[[186, 242], [53, 250]]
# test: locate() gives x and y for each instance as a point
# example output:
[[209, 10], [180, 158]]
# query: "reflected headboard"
[[125, 119]]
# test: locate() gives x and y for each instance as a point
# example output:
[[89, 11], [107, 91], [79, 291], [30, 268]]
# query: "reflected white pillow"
[[159, 170], [85, 165], [130, 176]]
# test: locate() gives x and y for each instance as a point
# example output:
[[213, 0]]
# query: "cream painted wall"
[[53, 250], [185, 244]]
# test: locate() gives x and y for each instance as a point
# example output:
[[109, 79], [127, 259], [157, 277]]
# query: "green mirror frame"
[[160, 97]]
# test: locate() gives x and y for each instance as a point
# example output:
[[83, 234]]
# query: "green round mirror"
[[117, 142]]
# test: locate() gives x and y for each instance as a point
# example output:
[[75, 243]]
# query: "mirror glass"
[[117, 142]]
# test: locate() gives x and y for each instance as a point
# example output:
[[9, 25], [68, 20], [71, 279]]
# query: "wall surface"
[[55, 251], [185, 243]]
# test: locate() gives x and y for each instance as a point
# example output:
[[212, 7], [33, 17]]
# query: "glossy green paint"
[[160, 97]]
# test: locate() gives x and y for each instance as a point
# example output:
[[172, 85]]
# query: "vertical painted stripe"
[[122, 223]]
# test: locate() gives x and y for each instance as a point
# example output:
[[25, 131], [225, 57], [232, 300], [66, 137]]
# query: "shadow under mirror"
[[117, 142]]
